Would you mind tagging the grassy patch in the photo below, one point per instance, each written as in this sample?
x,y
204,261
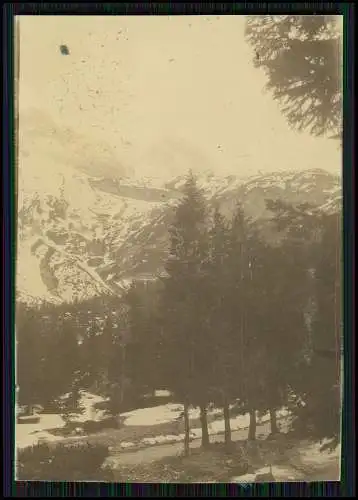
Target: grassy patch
x,y
63,463
87,427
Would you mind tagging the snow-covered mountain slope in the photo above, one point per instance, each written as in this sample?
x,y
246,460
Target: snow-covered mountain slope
x,y
64,237
80,235
144,248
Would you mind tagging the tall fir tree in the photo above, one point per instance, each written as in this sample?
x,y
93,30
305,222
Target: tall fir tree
x,y
183,305
302,59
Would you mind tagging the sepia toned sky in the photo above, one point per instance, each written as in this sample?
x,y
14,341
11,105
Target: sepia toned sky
x,y
154,96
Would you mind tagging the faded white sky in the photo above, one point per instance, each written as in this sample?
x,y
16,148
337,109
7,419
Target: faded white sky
x,y
155,96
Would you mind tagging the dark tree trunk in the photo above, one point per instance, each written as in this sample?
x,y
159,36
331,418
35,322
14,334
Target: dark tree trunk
x,y
227,424
29,410
273,421
122,376
186,430
252,427
204,427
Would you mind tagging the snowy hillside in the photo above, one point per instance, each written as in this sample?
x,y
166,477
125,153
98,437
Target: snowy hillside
x,y
144,248
80,235
64,236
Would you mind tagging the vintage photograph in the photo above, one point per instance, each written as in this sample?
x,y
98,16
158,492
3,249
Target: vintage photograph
x,y
179,262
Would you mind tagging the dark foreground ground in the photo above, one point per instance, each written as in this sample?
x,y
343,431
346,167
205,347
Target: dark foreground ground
x,y
290,460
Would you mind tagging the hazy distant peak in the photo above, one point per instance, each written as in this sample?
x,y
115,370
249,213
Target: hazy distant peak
x,y
47,140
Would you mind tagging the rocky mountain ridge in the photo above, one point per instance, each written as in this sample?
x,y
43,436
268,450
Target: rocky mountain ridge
x,y
87,235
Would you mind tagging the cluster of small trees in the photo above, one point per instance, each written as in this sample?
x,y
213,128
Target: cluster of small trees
x,y
46,355
61,349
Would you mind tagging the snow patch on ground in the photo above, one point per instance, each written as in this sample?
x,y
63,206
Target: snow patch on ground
x,y
31,434
170,412
152,416
161,414
281,474
244,479
127,444
162,394
312,456
89,412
